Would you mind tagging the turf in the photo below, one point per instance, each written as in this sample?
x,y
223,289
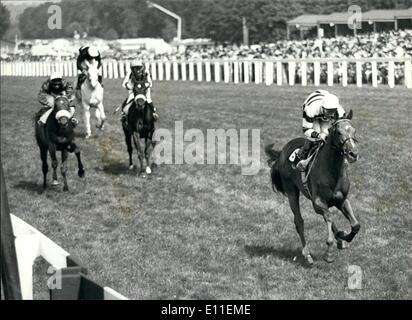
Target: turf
x,y
206,231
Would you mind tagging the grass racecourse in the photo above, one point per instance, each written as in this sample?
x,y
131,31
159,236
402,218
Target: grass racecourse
x,y
206,231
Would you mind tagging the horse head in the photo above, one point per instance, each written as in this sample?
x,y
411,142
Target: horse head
x,y
62,111
139,91
92,73
344,138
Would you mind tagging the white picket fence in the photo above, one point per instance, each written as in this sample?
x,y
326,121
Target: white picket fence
x,y
267,71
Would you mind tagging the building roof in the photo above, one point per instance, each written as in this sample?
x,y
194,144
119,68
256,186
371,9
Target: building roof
x,y
343,17
307,19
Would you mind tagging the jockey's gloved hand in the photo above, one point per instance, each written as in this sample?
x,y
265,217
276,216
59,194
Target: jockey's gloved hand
x,y
322,136
75,121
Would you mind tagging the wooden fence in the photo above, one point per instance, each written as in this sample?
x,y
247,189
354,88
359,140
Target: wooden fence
x,y
367,71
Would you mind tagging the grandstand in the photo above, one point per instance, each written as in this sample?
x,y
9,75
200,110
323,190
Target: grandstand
x,y
336,24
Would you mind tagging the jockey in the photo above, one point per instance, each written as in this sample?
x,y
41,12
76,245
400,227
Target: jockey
x,y
53,87
89,54
137,72
320,109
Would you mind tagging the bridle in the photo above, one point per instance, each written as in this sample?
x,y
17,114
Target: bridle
x,y
341,144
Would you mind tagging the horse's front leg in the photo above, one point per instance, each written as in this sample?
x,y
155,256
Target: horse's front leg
x,y
100,115
45,166
347,211
136,140
322,208
76,151
86,109
147,152
128,138
63,169
53,156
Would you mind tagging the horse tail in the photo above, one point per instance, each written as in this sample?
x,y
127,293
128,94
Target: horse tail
x,y
273,156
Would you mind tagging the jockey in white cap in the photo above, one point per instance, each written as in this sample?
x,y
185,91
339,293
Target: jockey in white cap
x,y
88,55
320,109
137,72
53,87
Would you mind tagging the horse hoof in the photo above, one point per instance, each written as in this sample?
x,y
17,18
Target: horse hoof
x,y
148,170
65,188
88,136
142,174
309,260
131,167
81,173
342,244
329,257
55,183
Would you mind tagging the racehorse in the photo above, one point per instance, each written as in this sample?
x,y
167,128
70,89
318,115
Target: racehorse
x,y
57,135
139,124
327,184
91,95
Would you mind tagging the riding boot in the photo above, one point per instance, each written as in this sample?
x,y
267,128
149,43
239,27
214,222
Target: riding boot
x,y
155,115
302,155
80,79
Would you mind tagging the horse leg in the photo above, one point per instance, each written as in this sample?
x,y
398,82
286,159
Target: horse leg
x,y
128,138
299,223
45,166
347,211
80,166
52,151
322,208
100,115
87,120
136,139
63,169
147,152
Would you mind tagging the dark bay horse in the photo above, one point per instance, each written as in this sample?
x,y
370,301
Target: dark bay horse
x,y
328,182
57,135
140,125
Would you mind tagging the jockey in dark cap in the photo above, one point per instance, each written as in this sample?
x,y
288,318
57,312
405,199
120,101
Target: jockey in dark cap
x,y
88,53
53,87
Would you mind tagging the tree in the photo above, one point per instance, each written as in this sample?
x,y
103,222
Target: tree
x,y
4,20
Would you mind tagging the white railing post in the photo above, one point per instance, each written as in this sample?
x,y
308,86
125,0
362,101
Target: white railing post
x,y
199,68
115,70
279,73
175,71
358,74
160,70
121,69
374,74
408,74
235,72
292,70
217,71
183,69
168,70
208,71
316,66
191,71
330,73
257,72
391,74
246,72
226,71
104,66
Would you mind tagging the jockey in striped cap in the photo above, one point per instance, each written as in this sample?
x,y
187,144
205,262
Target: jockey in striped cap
x,y
137,72
320,109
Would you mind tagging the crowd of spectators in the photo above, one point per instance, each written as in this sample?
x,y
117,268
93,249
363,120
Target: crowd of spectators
x,y
384,44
